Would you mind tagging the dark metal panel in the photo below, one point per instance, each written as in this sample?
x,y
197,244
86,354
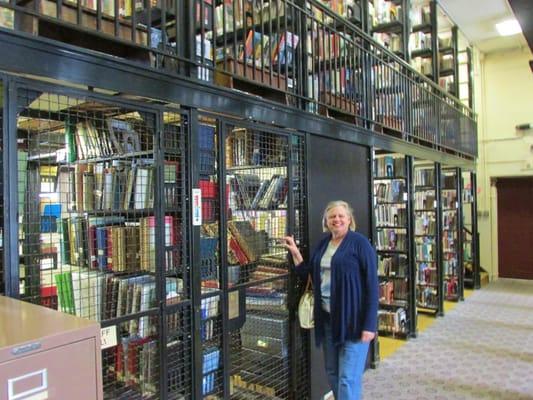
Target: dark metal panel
x,y
68,63
10,180
194,247
336,171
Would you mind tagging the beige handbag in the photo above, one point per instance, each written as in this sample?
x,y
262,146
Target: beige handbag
x,y
306,305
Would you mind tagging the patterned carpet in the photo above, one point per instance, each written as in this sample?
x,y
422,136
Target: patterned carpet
x,y
482,349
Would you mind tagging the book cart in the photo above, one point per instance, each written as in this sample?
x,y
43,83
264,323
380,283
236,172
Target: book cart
x,y
393,241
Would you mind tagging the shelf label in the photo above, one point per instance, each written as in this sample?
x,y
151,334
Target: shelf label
x,y
108,337
197,207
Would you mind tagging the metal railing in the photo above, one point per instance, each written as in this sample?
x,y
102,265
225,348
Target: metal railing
x,y
301,54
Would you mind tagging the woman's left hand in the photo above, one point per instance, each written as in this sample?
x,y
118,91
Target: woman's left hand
x,y
367,336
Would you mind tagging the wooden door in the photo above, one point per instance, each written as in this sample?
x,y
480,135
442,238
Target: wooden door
x,y
515,227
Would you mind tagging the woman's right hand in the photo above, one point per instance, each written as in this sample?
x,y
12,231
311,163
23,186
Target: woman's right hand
x,y
289,243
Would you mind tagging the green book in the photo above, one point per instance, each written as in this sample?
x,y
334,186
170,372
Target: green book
x,y
69,294
60,292
64,244
70,141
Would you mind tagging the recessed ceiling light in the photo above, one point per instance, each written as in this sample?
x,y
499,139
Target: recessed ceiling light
x,y
508,27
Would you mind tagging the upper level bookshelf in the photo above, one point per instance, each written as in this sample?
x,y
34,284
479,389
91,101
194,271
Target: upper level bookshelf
x,y
389,24
434,45
310,56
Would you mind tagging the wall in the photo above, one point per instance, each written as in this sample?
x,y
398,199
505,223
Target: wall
x,y
504,99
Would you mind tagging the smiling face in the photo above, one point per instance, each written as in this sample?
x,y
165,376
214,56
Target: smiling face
x,y
338,221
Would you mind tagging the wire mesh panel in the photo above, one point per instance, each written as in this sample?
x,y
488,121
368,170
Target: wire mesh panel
x,y
300,345
260,352
257,172
87,227
178,280
211,310
179,354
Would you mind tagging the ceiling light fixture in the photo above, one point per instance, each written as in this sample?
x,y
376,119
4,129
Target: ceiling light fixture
x,y
508,27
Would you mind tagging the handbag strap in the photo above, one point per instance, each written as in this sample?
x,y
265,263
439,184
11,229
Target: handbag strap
x,y
309,285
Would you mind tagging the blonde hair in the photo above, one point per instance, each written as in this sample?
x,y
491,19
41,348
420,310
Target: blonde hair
x,y
338,203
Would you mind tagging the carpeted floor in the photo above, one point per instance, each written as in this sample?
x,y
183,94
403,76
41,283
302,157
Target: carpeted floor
x,y
481,349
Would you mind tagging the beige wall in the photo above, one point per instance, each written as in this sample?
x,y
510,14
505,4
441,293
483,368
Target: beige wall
x,y
504,98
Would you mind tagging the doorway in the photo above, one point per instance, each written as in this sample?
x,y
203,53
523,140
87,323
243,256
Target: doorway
x,y
515,227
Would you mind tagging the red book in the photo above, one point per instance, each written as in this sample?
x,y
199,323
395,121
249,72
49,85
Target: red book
x,y
237,251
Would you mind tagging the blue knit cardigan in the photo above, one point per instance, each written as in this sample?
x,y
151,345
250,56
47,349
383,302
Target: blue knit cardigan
x,y
354,288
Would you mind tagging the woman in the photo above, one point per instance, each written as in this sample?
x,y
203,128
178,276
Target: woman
x,y
344,274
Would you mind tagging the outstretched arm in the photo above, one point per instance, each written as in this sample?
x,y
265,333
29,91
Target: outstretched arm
x,y
289,243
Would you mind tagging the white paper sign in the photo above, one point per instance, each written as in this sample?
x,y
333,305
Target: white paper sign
x,y
108,337
197,207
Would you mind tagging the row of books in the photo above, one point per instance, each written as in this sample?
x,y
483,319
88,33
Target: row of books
x,y
84,140
245,244
251,148
427,274
249,192
389,166
393,290
7,18
263,50
389,40
392,321
273,222
389,105
391,215
425,250
419,41
424,176
382,12
393,265
422,65
391,239
449,220
102,296
427,297
425,224
451,288
424,200
135,363
112,244
109,186
449,199
449,266
391,191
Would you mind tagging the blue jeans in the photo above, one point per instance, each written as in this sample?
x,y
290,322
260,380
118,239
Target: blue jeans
x,y
344,365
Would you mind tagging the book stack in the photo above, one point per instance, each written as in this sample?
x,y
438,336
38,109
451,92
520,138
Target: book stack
x,y
392,321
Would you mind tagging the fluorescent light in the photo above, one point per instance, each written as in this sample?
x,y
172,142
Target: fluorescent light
x,y
508,27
